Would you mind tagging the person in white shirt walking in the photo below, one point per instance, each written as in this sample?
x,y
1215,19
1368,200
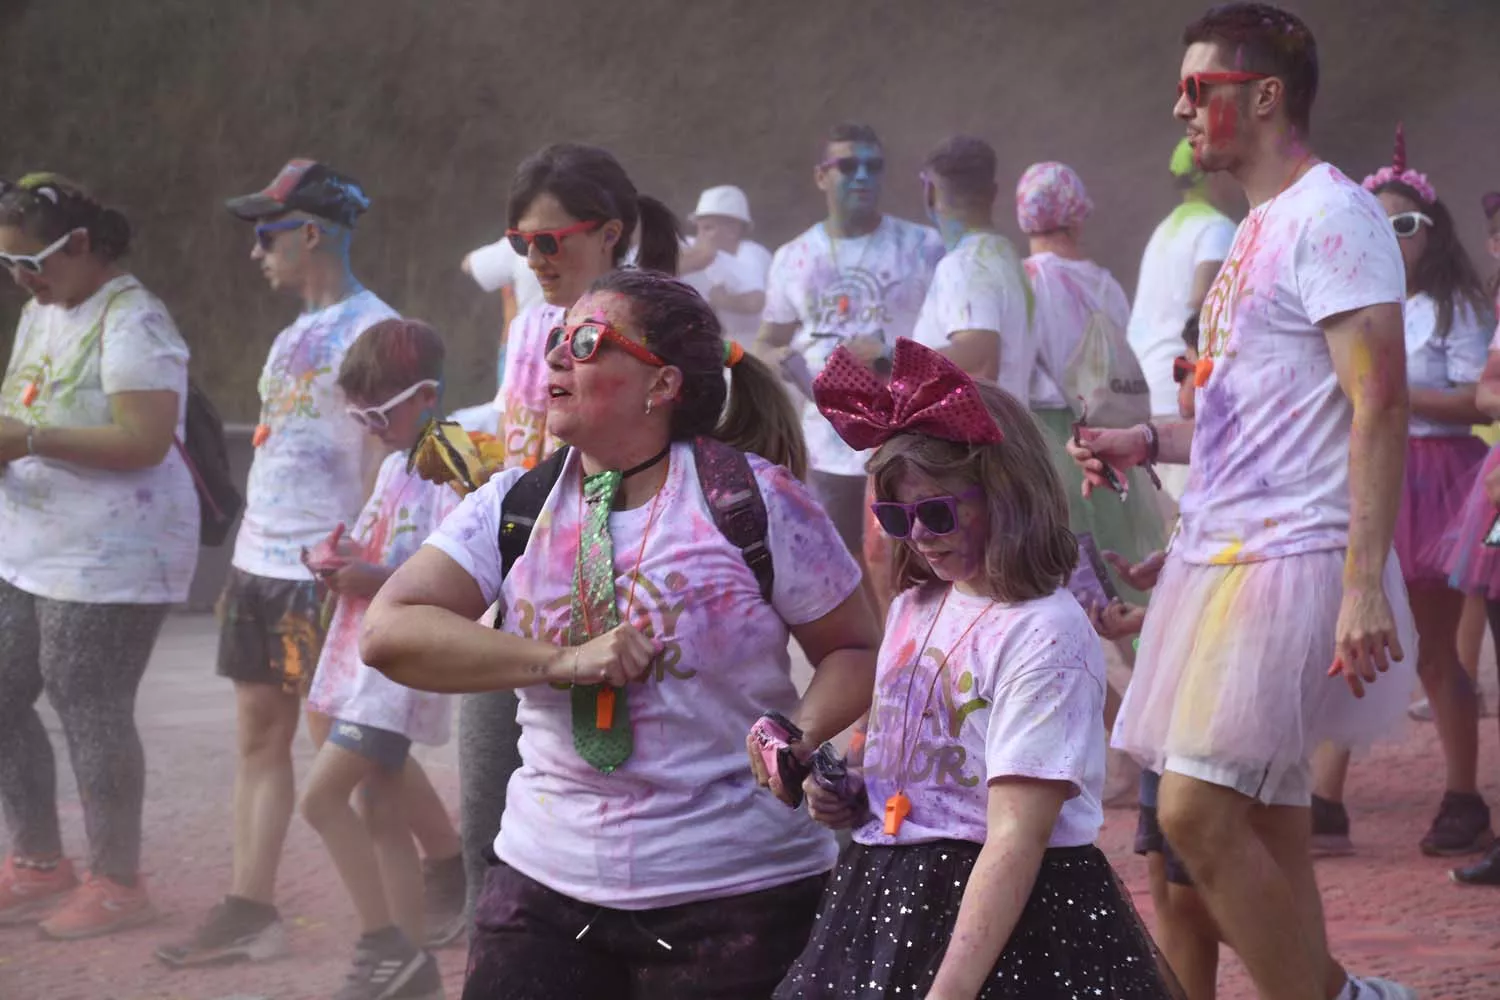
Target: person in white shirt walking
x,y
725,266
1182,259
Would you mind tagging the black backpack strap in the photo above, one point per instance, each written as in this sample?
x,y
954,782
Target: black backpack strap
x,y
521,507
738,509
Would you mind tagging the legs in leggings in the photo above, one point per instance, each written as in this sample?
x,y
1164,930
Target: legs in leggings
x,y
89,658
487,755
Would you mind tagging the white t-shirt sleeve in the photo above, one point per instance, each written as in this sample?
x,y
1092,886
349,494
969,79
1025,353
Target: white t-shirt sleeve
x,y
756,258
779,306
1048,709
142,351
1213,242
470,536
814,571
1348,259
493,267
981,302
1467,347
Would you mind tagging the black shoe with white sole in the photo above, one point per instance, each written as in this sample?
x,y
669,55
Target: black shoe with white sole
x,y
387,966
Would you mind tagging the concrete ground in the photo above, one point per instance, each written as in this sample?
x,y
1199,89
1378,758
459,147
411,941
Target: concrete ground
x,y
1391,911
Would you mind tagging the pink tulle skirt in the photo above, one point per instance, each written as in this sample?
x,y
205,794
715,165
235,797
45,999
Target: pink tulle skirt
x,y
1233,666
1439,474
1472,566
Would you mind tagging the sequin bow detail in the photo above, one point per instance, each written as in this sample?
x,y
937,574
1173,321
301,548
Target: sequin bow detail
x,y
927,394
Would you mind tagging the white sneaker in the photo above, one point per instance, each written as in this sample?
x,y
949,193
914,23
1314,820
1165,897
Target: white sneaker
x,y
1372,988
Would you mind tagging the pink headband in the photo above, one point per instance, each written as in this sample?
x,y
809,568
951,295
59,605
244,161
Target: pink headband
x,y
927,394
1397,173
1051,196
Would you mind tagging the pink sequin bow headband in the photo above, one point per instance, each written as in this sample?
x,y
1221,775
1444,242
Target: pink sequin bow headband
x,y
927,394
1399,174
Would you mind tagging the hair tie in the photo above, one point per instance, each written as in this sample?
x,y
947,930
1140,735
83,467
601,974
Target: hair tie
x,y
733,353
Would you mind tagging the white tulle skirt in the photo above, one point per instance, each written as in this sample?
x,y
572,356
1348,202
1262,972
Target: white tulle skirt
x,y
1233,667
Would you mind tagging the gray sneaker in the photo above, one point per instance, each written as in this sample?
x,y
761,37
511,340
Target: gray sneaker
x,y
1372,988
389,967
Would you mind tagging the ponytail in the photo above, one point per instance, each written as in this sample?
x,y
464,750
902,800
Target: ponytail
x,y
661,237
760,417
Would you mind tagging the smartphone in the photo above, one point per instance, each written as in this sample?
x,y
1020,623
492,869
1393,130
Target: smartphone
x,y
1090,582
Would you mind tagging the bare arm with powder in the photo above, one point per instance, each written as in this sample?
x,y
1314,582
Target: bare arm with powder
x,y
841,646
976,352
773,338
1125,449
138,436
422,630
1369,356
1458,405
1021,815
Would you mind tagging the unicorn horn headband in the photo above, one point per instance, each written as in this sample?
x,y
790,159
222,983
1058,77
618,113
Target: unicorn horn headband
x,y
1398,173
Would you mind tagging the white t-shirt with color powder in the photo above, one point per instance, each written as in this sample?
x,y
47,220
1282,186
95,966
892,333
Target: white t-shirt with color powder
x,y
306,475
1270,469
1434,362
1021,695
1067,293
980,285
739,273
682,820
498,266
401,512
96,536
1195,233
870,286
522,397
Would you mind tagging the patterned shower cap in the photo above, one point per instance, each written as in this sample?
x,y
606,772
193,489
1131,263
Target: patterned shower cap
x,y
1049,197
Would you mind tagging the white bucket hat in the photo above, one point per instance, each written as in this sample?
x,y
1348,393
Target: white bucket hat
x,y
727,201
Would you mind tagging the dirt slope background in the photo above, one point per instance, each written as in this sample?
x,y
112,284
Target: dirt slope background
x,y
167,106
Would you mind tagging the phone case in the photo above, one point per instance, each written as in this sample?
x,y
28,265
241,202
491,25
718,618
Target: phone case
x,y
1090,582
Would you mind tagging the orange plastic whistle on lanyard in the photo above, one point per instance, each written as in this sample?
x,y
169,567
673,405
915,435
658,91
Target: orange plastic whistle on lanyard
x,y
1201,371
604,708
897,807
262,431
29,394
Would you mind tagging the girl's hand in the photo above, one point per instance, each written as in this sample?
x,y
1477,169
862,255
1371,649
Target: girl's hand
x,y
1117,620
1139,576
833,811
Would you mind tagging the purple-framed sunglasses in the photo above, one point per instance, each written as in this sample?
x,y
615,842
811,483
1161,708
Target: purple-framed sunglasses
x,y
938,515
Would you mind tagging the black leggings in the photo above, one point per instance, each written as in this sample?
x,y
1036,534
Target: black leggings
x,y
89,658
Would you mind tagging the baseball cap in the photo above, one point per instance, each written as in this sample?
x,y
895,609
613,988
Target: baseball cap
x,y
727,201
305,186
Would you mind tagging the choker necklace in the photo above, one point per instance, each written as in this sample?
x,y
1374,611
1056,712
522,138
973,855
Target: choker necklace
x,y
648,463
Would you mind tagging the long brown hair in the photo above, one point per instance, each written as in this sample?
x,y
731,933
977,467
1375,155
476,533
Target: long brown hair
x,y
1445,273
1030,552
684,331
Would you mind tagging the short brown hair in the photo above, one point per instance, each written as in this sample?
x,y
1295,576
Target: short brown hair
x,y
1265,39
1030,552
390,356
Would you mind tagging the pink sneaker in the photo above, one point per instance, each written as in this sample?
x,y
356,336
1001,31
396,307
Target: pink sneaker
x,y
28,894
100,906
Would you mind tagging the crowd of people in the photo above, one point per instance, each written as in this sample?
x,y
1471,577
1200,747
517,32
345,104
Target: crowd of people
x,y
950,473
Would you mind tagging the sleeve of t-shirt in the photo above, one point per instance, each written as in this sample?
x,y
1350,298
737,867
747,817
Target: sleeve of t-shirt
x,y
142,351
814,571
493,266
1467,346
1214,242
470,536
779,306
757,258
1048,708
1348,259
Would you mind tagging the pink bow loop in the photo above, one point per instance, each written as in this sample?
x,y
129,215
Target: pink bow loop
x,y
927,394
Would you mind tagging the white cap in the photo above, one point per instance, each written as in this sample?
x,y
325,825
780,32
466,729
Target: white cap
x,y
727,201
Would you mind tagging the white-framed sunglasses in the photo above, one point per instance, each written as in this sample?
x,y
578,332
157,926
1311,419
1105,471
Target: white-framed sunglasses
x,y
1406,224
32,263
375,418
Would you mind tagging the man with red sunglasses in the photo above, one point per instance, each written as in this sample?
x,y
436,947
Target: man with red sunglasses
x,y
1280,619
858,278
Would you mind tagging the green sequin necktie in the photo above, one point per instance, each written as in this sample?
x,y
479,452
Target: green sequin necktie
x,y
601,717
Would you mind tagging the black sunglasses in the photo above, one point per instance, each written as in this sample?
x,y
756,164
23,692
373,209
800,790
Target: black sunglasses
x,y
849,165
938,515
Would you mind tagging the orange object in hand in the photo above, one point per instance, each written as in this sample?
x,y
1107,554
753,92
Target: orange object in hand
x,y
29,394
604,708
1201,371
262,431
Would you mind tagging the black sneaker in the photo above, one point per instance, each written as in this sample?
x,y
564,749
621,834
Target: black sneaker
x,y
1485,871
445,885
1462,826
387,966
236,930
1330,829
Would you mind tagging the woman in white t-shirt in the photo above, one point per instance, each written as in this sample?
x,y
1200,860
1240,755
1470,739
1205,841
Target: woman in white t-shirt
x,y
975,799
100,538
636,856
1068,288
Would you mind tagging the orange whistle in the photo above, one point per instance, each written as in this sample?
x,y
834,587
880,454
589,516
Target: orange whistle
x,y
262,431
29,394
604,708
896,809
1201,371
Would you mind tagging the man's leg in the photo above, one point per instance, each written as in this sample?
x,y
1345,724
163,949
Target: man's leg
x,y
1287,836
264,786
1255,903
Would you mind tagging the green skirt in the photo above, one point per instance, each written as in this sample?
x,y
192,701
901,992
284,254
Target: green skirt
x,y
1132,527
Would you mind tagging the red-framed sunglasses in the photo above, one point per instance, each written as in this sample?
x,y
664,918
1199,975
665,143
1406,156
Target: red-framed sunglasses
x,y
547,241
583,340
1182,369
1193,85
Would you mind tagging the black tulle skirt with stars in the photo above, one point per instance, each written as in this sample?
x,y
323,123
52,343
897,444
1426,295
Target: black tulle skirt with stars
x,y
889,912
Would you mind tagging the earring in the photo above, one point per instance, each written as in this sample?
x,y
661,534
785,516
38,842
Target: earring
x,y
648,405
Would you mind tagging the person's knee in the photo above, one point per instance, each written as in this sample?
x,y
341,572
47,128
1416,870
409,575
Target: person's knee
x,y
320,804
1198,819
267,722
